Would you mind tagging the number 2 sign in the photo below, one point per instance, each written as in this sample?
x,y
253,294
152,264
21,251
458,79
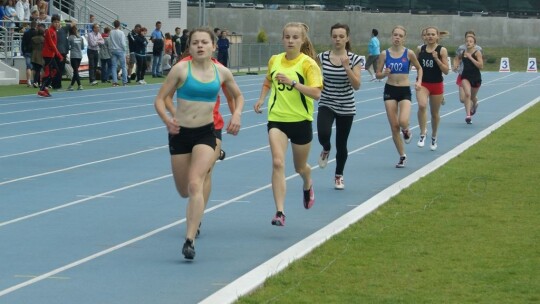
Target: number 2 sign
x,y
531,65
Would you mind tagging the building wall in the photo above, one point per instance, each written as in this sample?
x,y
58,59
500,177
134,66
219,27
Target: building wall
x,y
147,13
491,31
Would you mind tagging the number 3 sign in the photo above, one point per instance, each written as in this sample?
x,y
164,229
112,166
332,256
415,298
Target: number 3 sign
x,y
505,65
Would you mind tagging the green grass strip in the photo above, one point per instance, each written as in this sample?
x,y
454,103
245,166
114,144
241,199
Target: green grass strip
x,y
467,233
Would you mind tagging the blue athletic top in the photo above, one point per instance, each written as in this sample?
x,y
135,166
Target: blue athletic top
x,y
195,90
398,65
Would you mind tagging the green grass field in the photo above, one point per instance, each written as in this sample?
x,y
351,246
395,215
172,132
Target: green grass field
x,y
466,233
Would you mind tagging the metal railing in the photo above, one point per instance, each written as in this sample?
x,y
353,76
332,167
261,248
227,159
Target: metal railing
x,y
251,57
81,10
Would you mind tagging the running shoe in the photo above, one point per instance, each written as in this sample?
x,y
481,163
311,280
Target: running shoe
x,y
323,159
473,109
402,161
421,141
338,182
70,88
222,155
468,119
433,146
407,136
93,83
80,88
309,197
279,219
188,250
44,93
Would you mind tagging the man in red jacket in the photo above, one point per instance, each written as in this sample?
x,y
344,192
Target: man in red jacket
x,y
50,56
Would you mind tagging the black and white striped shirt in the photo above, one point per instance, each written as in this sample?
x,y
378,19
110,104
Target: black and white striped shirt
x,y
337,93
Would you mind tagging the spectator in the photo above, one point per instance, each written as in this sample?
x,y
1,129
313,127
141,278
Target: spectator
x,y
94,41
63,47
51,56
26,48
140,54
131,40
44,18
76,45
42,6
157,50
223,48
10,14
105,56
374,50
177,44
183,41
37,56
118,53
34,14
169,50
90,25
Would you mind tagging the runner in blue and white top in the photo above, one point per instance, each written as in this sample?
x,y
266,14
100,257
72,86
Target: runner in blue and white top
x,y
341,77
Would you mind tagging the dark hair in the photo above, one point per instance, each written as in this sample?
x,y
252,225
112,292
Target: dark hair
x,y
116,24
186,31
203,30
375,32
159,22
347,30
107,30
177,28
54,18
74,31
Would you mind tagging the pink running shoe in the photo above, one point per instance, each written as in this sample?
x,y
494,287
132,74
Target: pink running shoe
x,y
279,219
309,197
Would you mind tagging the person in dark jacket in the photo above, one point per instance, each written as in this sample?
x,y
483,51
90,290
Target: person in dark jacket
x,y
26,48
63,47
223,48
139,45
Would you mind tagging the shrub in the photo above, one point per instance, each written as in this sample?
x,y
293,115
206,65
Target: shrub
x,y
261,36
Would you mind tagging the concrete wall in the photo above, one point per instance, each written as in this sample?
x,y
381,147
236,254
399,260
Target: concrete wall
x,y
146,13
491,31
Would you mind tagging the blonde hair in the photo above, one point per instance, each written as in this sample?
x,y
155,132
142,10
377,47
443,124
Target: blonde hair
x,y
440,34
401,27
307,47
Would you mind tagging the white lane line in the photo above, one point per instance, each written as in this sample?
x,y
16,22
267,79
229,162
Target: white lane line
x,y
75,114
79,166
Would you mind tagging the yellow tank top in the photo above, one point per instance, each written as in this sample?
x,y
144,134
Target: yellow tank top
x,y
285,103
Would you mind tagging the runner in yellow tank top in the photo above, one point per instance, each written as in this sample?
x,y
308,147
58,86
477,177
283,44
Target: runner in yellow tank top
x,y
295,80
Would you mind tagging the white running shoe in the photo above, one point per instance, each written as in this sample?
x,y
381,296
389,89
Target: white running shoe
x,y
421,141
402,161
323,159
338,182
433,146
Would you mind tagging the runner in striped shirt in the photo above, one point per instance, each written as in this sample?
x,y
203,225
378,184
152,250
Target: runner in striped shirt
x,y
341,77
